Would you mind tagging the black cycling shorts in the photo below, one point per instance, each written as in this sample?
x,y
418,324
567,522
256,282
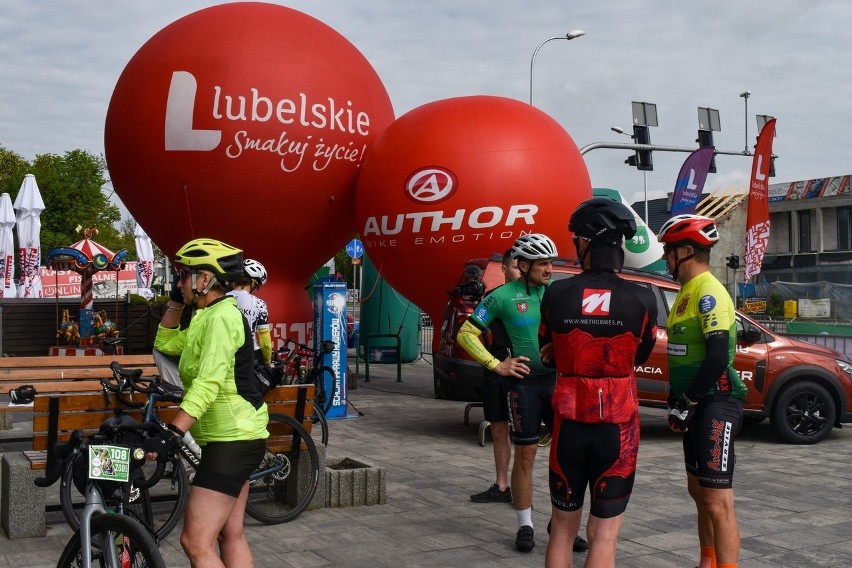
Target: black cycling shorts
x,y
529,404
226,466
599,456
495,402
708,444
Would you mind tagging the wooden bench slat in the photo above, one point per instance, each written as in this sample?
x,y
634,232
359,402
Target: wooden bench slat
x,y
91,361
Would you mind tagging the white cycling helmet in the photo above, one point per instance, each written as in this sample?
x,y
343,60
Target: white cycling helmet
x,y
255,271
534,246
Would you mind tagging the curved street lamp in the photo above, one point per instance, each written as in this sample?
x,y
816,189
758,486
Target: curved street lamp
x,y
569,36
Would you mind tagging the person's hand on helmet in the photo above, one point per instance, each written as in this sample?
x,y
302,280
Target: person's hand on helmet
x,y
176,295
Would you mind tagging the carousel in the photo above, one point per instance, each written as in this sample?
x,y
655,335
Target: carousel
x,y
85,257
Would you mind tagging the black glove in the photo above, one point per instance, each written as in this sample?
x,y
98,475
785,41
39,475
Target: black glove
x,y
671,401
163,443
681,413
176,295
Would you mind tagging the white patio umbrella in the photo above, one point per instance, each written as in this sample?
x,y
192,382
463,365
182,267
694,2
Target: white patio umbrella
x,y
145,262
28,206
8,289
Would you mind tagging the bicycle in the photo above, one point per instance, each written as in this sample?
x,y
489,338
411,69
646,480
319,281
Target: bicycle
x,y
276,495
290,368
109,534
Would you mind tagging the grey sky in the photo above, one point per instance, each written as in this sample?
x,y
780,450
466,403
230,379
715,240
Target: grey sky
x,y
59,62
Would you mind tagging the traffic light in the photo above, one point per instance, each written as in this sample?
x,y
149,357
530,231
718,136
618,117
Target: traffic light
x,y
733,261
642,160
705,138
772,167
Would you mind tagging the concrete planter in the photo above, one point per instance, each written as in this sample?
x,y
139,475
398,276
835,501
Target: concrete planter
x,y
350,483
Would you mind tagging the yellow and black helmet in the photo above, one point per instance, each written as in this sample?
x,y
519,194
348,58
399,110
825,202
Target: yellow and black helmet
x,y
223,260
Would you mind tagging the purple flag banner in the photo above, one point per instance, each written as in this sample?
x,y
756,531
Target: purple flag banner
x,y
690,180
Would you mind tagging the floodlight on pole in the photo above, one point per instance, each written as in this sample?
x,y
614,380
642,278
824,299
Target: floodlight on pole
x,y
573,34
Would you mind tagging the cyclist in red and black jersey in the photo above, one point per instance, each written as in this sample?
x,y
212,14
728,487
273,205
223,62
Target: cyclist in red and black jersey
x,y
595,327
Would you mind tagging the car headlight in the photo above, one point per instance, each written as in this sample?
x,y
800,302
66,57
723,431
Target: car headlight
x,y
845,366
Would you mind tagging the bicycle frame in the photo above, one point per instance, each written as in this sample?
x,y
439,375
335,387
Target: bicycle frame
x,y
95,504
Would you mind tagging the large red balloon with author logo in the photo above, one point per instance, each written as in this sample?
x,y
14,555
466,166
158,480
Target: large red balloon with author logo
x,y
463,178
247,122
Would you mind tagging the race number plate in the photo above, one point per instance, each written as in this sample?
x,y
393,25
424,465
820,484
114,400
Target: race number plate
x,y
109,462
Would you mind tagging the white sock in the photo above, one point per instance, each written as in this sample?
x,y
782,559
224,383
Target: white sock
x,y
524,517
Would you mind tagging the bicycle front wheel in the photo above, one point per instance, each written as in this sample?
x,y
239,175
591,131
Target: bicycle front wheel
x,y
285,482
117,542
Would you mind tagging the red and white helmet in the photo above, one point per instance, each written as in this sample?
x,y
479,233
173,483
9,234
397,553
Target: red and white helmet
x,y
694,229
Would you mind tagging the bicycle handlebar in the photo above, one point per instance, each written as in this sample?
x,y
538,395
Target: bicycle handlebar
x,y
62,450
132,377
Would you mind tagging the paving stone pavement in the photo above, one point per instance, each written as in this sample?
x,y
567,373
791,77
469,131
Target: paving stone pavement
x,y
794,503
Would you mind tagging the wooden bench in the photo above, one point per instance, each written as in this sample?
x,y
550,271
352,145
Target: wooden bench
x,y
55,416
66,374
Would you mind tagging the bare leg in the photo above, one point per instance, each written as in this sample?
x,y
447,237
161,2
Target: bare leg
x,y
705,527
233,545
206,514
502,452
719,507
603,536
563,529
522,475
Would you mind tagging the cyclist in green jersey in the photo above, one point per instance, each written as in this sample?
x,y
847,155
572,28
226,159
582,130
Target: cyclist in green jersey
x,y
513,309
221,405
705,398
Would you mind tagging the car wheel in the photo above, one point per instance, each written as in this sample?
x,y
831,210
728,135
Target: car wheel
x,y
804,413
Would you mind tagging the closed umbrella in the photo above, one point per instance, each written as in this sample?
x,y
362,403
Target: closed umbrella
x,y
8,289
145,263
28,207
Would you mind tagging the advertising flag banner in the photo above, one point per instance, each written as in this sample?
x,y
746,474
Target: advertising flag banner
x,y
145,265
8,289
691,179
757,221
28,207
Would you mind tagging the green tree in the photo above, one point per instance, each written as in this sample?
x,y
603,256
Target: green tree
x,y
12,170
72,189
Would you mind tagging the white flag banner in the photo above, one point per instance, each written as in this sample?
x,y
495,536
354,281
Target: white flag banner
x,y
8,288
145,265
28,208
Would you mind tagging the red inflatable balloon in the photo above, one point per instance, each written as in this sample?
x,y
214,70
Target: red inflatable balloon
x,y
463,178
247,122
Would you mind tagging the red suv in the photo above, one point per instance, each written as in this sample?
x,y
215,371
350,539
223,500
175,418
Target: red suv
x,y
804,389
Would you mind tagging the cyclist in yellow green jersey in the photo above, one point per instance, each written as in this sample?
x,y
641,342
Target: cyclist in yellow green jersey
x,y
706,393
222,404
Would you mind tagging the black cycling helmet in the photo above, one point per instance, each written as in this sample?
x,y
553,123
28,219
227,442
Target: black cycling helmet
x,y
223,260
602,219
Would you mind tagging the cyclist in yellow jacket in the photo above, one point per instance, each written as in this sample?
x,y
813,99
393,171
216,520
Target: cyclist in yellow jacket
x,y
222,406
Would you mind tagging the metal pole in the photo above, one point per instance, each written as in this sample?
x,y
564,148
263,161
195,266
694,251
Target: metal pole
x,y
645,176
735,288
532,63
573,34
745,95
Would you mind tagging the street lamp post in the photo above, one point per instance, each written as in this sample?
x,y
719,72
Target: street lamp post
x,y
745,95
618,130
569,36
